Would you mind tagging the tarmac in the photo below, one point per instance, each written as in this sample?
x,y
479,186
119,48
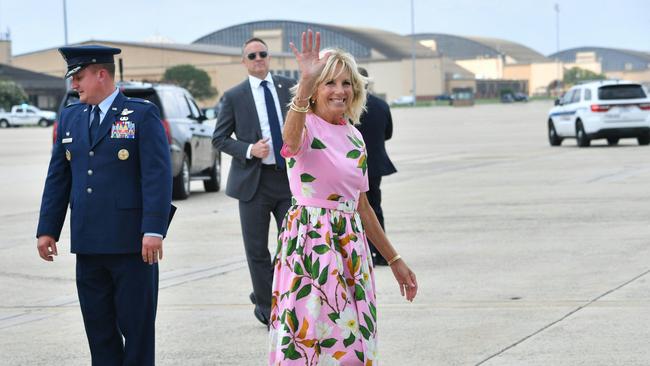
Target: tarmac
x,y
525,254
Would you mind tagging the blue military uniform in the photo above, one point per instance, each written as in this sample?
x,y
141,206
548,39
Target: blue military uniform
x,y
118,186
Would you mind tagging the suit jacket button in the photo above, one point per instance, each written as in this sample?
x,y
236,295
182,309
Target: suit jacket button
x,y
90,172
91,153
89,190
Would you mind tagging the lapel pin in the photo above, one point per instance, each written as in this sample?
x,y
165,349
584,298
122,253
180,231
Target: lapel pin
x,y
67,133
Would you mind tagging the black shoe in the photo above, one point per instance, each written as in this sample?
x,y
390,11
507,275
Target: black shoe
x,y
378,260
261,317
253,298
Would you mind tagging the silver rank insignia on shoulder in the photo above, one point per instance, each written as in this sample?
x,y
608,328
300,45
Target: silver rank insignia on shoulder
x,y
126,111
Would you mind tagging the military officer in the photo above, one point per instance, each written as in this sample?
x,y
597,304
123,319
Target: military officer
x,y
111,164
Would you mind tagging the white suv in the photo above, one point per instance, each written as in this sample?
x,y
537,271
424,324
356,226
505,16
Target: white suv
x,y
606,109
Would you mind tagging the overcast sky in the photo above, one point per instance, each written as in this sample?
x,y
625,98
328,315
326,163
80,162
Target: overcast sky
x,y
38,24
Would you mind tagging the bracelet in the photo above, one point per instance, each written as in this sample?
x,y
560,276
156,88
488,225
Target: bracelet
x,y
394,259
297,100
297,108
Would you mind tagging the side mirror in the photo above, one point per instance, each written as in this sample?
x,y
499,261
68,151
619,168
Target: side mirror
x,y
200,118
557,101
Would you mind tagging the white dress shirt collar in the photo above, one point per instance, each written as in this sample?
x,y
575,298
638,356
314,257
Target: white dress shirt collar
x,y
255,81
104,105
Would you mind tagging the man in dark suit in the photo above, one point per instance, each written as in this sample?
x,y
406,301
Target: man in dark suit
x,y
111,163
255,110
376,126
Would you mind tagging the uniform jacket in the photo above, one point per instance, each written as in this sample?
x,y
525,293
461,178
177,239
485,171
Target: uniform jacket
x,y
238,115
376,126
118,188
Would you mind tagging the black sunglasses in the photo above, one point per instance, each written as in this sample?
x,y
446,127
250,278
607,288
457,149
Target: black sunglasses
x,y
251,56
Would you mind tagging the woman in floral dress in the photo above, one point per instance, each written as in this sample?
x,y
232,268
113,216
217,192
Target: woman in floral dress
x,y
323,306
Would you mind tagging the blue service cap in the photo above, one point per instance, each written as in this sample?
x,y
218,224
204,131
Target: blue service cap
x,y
78,57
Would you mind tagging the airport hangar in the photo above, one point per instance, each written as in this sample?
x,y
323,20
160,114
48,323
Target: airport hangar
x,y
443,62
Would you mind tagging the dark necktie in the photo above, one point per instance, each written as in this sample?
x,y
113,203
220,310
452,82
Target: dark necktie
x,y
274,124
94,124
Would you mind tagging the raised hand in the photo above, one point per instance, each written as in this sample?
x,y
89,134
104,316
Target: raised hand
x,y
308,58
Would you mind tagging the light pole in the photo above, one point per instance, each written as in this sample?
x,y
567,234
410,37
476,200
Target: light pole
x,y
413,50
557,48
65,23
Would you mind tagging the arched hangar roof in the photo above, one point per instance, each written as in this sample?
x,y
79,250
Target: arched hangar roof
x,y
362,43
467,47
611,59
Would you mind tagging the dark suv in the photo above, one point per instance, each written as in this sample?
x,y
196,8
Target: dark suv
x,y
188,131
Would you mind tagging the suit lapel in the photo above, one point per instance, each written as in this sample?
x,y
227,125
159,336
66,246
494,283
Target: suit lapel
x,y
82,125
109,118
250,101
283,95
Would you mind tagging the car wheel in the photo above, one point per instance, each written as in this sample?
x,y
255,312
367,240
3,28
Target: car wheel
x,y
553,138
181,182
581,136
214,183
643,140
612,141
4,123
43,122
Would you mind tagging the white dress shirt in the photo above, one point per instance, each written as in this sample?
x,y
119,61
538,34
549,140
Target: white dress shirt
x,y
104,105
260,107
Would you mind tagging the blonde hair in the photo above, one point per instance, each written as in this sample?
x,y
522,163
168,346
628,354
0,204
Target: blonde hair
x,y
338,57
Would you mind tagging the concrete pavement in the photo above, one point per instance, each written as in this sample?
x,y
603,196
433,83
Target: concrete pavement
x,y
525,254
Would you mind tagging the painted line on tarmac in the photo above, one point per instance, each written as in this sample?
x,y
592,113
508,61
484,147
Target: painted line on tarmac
x,y
167,279
562,318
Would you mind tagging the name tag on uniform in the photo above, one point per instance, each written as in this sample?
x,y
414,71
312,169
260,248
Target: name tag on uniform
x,y
123,130
66,140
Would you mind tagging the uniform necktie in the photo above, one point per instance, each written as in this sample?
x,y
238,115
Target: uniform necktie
x,y
94,124
274,124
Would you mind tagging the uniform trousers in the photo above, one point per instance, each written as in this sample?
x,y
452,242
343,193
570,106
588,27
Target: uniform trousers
x,y
118,294
272,197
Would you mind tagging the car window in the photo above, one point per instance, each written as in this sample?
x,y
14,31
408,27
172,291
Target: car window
x,y
175,104
20,110
194,110
629,91
587,94
183,107
575,98
146,94
568,96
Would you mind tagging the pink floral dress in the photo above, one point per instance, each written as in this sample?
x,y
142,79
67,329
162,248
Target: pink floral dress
x,y
323,308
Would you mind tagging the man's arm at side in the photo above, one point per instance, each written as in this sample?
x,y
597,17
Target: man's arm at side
x,y
56,193
389,124
221,138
